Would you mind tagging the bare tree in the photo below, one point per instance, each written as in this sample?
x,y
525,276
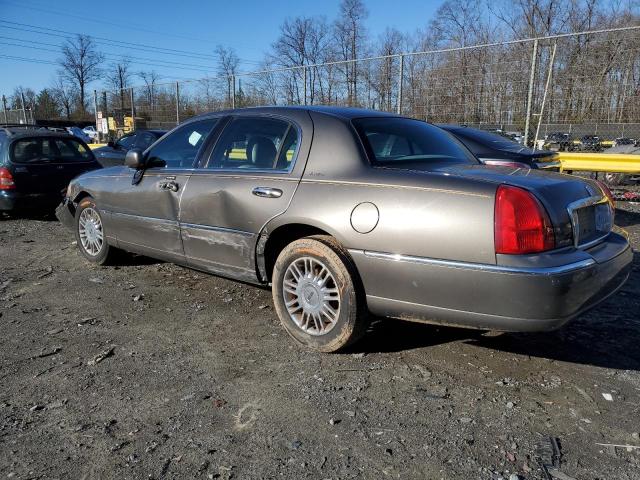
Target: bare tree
x,y
80,65
150,80
65,95
351,35
119,74
228,63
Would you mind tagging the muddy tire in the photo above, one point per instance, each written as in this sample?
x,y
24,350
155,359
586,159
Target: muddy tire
x,y
318,294
90,234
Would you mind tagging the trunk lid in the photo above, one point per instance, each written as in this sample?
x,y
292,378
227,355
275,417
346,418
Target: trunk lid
x,y
573,204
577,207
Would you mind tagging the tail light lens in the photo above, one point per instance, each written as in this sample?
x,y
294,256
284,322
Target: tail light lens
x,y
6,179
521,223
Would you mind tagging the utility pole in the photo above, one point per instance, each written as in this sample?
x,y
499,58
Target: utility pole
x,y
133,109
95,109
400,76
24,111
177,103
530,94
4,108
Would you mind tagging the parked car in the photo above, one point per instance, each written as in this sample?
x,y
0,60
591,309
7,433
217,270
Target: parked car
x,y
623,141
114,152
36,165
559,141
590,143
346,212
91,132
78,132
494,149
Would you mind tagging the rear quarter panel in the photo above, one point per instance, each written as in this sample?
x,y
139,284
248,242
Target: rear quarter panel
x,y
420,213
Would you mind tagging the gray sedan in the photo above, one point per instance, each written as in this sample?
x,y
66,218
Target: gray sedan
x,y
349,213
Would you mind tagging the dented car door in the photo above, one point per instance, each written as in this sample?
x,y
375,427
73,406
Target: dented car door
x,y
249,178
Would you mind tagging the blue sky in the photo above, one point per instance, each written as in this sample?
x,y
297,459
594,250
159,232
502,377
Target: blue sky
x,y
193,27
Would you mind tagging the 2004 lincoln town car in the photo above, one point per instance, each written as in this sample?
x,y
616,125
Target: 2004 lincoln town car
x,y
349,212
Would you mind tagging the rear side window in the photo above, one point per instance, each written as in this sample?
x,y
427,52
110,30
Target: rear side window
x,y
258,143
390,141
49,150
179,148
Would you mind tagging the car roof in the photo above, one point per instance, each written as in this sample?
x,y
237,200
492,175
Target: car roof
x,y
17,132
345,113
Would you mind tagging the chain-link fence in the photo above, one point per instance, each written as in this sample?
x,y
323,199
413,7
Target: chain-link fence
x,y
584,83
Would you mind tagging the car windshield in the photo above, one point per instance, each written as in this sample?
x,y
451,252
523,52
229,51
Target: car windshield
x,y
399,140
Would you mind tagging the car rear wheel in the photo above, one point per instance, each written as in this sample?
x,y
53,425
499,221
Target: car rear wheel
x,y
317,294
90,235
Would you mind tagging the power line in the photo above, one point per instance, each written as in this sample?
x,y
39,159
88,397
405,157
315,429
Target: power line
x,y
86,18
112,56
108,41
24,59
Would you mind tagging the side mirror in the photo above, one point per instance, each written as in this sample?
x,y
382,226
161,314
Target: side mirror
x,y
111,144
135,159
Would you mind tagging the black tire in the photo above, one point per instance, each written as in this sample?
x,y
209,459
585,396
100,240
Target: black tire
x,y
614,179
352,319
105,254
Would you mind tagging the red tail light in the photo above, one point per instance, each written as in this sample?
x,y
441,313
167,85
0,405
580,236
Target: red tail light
x,y
6,179
521,223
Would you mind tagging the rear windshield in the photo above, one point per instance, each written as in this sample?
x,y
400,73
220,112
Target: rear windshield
x,y
488,138
49,150
391,141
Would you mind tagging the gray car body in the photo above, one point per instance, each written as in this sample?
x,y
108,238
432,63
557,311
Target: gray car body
x,y
424,249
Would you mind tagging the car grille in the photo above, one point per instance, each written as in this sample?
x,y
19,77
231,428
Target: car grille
x,y
591,223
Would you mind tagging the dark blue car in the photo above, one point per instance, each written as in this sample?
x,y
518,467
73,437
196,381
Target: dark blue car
x,y
114,152
37,164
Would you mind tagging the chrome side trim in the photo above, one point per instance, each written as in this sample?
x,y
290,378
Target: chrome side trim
x,y
569,267
142,217
216,229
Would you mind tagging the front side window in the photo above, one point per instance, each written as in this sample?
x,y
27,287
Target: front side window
x,y
396,141
179,148
255,144
49,150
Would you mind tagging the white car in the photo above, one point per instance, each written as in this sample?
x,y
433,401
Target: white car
x,y
91,132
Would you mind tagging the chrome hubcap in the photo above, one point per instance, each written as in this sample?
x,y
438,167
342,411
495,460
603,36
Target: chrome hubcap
x,y
90,229
311,296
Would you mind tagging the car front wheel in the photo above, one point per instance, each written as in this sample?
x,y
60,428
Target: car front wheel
x,y
317,294
90,235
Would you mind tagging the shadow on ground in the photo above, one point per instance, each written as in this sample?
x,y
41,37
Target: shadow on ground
x,y
625,218
607,336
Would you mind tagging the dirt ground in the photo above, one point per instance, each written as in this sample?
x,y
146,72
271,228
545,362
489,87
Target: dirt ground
x,y
149,370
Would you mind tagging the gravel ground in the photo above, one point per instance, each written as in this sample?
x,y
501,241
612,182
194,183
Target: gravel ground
x,y
152,370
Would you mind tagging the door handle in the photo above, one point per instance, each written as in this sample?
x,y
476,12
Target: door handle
x,y
267,192
173,186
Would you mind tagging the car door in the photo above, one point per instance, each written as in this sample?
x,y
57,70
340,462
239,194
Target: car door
x,y
110,156
249,178
72,157
37,169
144,213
